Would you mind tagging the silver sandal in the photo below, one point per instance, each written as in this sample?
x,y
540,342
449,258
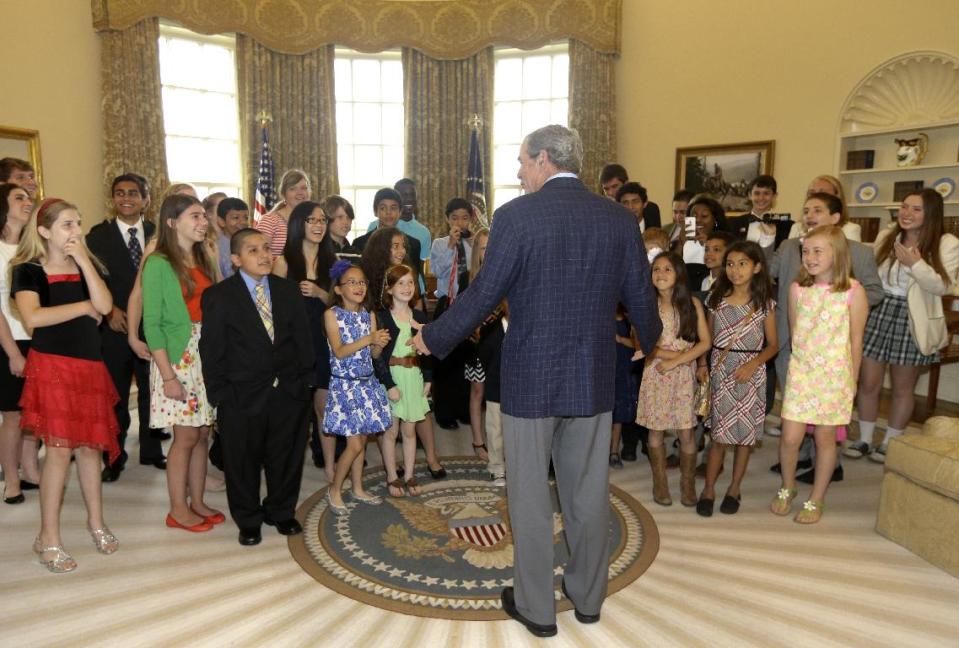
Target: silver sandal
x,y
61,563
104,540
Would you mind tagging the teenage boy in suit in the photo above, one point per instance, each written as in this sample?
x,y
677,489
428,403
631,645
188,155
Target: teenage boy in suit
x,y
257,356
119,243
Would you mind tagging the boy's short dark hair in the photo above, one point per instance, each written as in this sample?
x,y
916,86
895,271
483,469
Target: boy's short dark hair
x,y
386,193
632,188
721,235
611,171
237,240
458,203
230,204
136,179
764,182
683,195
403,181
9,164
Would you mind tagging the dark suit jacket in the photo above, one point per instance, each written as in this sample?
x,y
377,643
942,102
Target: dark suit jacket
x,y
412,247
563,257
105,241
239,361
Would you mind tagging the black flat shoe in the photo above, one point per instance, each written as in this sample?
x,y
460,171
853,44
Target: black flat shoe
x,y
730,505
800,465
28,485
16,499
448,425
160,463
437,474
509,606
582,618
704,507
286,527
160,435
810,476
250,537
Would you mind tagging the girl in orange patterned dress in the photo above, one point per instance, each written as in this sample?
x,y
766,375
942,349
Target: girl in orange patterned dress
x,y
827,317
669,384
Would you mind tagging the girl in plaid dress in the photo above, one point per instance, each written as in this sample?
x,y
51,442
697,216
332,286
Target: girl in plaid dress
x,y
917,263
827,315
744,338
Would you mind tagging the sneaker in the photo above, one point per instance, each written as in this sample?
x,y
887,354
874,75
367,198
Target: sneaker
x,y
498,480
615,461
879,454
856,450
774,431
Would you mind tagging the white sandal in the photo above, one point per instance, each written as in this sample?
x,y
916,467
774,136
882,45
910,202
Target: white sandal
x,y
104,540
61,563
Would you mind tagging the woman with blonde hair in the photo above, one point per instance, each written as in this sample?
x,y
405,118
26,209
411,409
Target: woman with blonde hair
x,y
294,188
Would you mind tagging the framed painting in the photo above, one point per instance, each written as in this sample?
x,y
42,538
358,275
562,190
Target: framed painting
x,y
22,143
724,171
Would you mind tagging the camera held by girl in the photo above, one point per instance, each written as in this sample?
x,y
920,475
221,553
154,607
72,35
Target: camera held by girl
x,y
356,406
667,391
68,395
827,319
741,317
405,375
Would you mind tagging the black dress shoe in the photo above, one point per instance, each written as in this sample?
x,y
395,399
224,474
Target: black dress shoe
x,y
810,476
28,485
704,507
111,473
509,606
582,618
437,474
730,505
161,435
249,537
156,463
286,527
802,464
447,424
16,499
628,454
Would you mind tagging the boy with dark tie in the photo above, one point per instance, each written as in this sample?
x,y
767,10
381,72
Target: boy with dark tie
x,y
257,356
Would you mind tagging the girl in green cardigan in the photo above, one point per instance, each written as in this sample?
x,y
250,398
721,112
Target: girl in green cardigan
x,y
174,278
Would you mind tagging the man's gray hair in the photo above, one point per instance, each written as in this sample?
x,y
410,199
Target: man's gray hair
x,y
562,145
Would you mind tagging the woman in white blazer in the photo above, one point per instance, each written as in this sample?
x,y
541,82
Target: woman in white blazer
x,y
917,264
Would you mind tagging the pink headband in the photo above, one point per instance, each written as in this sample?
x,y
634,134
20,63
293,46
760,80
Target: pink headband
x,y
45,206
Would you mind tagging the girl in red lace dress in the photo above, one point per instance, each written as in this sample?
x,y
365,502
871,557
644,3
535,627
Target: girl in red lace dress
x,y
68,396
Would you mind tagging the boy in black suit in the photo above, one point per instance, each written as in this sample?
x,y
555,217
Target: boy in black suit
x,y
257,357
119,244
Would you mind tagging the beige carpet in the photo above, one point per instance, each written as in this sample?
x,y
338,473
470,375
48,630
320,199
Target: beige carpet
x,y
746,580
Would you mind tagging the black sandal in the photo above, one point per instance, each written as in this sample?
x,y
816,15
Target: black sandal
x,y
730,504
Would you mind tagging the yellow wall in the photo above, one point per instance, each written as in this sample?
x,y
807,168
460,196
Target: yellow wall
x,y
51,83
701,72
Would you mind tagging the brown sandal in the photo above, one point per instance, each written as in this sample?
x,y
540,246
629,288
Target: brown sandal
x,y
396,483
413,487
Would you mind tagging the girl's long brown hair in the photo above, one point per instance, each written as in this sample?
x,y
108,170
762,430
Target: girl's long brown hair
x,y
169,247
930,233
760,286
393,275
681,300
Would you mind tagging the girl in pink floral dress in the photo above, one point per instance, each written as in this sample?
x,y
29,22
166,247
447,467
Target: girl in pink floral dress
x,y
827,317
669,382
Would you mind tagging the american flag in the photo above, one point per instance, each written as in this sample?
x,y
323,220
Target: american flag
x,y
265,196
475,186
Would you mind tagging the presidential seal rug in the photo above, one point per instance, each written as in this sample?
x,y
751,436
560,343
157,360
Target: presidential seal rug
x,y
447,553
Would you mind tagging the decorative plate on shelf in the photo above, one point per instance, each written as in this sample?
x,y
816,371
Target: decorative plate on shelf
x,y
867,192
945,186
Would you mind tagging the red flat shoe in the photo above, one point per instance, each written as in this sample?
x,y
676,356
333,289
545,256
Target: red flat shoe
x,y
199,527
216,518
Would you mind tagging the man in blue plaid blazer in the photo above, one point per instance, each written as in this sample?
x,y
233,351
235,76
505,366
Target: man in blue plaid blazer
x,y
563,257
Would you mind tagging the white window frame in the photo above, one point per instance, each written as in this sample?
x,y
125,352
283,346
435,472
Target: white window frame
x,y
503,145
363,209
206,186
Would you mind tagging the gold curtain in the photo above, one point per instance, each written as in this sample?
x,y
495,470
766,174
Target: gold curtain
x,y
592,108
450,29
133,132
440,98
297,91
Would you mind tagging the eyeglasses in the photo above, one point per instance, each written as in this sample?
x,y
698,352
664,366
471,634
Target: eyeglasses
x,y
353,283
315,221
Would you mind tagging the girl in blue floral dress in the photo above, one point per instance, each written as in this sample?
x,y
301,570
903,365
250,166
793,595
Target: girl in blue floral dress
x,y
356,405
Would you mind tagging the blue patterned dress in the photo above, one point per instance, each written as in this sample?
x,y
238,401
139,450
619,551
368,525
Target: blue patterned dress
x,y
356,403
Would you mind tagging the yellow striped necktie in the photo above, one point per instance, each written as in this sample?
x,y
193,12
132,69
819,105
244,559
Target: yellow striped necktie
x,y
263,308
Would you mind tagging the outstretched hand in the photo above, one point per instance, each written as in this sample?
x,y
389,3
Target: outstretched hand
x,y
417,340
